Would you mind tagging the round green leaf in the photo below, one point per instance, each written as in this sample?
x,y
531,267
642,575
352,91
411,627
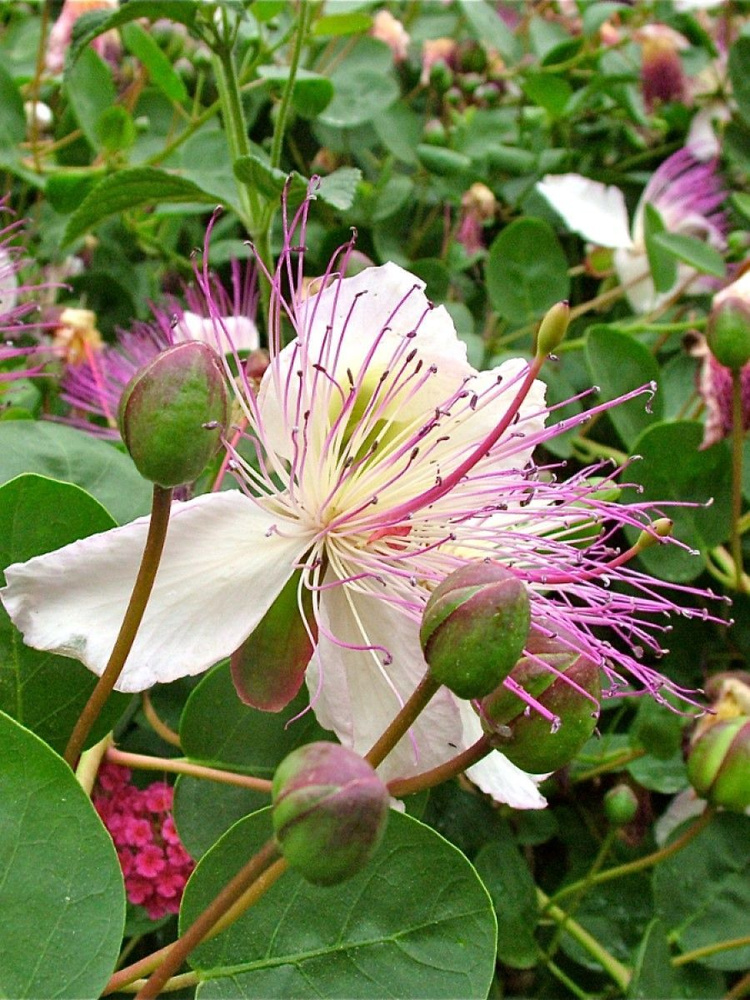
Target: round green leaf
x,y
44,691
417,922
619,363
703,893
673,468
72,456
61,891
358,97
526,271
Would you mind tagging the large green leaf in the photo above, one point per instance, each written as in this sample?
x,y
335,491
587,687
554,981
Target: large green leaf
x,y
673,468
618,364
74,457
510,884
661,261
160,69
91,92
526,271
44,691
488,27
655,978
61,891
417,922
692,251
132,188
703,893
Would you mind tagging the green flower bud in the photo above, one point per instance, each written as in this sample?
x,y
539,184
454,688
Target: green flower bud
x,y
728,333
620,805
474,628
441,76
553,328
173,413
718,764
435,133
330,811
525,736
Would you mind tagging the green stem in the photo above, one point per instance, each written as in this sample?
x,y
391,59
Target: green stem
x,y
558,973
616,970
171,765
304,17
641,864
203,924
401,787
711,949
403,722
593,449
615,763
740,989
181,982
157,532
737,449
236,130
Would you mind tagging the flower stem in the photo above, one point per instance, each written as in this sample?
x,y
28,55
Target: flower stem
x,y
616,970
157,531
306,9
641,864
205,922
737,447
401,787
158,725
711,949
143,762
740,989
422,694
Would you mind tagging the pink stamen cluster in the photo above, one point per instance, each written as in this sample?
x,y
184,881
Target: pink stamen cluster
x,y
689,196
15,304
154,863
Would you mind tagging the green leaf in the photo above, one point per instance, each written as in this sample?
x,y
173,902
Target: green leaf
x,y
115,129
72,456
311,93
673,468
425,925
144,48
694,252
654,977
204,810
662,263
336,25
97,22
488,27
248,740
337,189
359,96
702,893
61,891
741,202
619,363
739,74
90,91
507,878
550,92
44,691
12,115
441,161
526,271
128,189
399,128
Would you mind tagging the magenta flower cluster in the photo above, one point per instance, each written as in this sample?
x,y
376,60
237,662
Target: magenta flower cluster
x,y
154,863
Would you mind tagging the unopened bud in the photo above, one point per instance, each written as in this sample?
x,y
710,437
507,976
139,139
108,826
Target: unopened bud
x,y
728,333
329,811
718,764
174,412
620,805
553,328
474,628
661,528
566,684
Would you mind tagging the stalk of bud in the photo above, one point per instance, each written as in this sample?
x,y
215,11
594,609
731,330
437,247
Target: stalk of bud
x,y
474,628
565,684
330,810
174,412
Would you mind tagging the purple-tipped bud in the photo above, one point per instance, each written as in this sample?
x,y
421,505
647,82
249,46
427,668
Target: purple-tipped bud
x,y
553,328
728,334
565,686
718,764
620,805
330,811
474,628
174,412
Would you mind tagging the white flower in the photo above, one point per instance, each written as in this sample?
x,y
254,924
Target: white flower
x,y
685,192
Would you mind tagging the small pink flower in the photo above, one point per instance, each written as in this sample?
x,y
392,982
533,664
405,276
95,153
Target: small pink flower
x,y
386,28
150,862
158,797
58,43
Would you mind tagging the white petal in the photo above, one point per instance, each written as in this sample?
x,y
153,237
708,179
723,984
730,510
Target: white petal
x,y
226,333
635,274
595,211
356,696
498,777
8,282
219,574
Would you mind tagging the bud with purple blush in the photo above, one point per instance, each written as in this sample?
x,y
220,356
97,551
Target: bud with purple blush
x,y
474,628
330,810
174,412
